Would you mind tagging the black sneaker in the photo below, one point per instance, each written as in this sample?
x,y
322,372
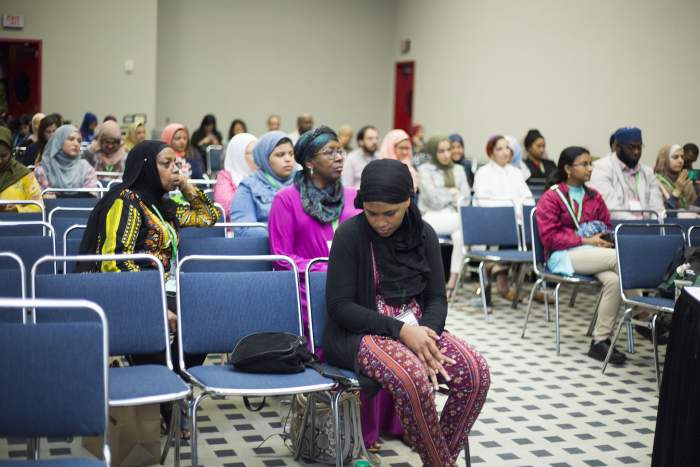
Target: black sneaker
x,y
599,350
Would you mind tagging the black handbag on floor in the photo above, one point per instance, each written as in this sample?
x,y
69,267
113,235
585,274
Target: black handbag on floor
x,y
271,352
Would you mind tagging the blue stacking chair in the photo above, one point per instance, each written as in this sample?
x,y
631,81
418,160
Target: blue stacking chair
x,y
62,218
644,253
214,153
217,309
491,226
71,193
11,216
316,309
694,236
134,329
30,241
71,243
12,283
236,246
648,215
687,219
52,203
544,276
54,379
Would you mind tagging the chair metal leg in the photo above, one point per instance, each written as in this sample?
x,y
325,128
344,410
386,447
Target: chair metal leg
x,y
482,283
655,343
174,421
589,333
193,436
520,277
625,318
335,410
467,456
630,337
574,293
556,315
546,302
33,445
529,305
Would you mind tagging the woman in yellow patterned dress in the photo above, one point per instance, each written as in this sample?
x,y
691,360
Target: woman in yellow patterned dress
x,y
16,181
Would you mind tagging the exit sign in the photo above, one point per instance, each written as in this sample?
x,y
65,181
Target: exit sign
x,y
13,21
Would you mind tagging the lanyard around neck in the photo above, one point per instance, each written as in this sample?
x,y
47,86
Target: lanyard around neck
x,y
274,183
172,233
635,188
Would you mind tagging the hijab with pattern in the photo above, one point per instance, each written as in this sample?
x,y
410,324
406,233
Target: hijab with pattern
x,y
401,258
324,205
667,179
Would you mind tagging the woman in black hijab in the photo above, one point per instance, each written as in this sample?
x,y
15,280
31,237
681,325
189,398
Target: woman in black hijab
x,y
135,217
387,307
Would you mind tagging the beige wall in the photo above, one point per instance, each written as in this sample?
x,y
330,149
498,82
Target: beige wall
x,y
250,58
85,45
574,69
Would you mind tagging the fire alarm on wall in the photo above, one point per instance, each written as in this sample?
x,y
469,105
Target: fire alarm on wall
x,y
405,46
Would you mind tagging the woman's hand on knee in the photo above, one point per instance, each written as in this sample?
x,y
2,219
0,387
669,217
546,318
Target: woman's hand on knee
x,y
423,342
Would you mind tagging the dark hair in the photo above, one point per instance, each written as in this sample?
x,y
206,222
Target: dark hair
x,y
209,119
361,132
50,119
567,157
282,141
691,147
233,124
532,136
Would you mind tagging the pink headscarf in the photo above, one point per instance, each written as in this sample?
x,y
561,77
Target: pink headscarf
x,y
388,148
388,151
168,134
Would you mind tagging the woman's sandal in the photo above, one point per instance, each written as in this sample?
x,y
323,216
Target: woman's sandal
x,y
375,448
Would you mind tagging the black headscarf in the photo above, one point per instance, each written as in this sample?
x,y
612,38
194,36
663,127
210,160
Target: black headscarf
x,y
141,176
401,258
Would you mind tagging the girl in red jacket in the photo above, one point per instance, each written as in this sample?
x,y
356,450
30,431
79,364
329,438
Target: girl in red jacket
x,y
573,222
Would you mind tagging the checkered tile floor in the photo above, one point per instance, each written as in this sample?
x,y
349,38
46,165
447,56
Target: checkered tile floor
x,y
541,410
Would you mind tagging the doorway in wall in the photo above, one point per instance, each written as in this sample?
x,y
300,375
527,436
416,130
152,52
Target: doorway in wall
x,y
20,77
403,95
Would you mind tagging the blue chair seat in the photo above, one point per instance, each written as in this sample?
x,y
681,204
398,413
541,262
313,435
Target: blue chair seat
x,y
55,463
145,381
227,380
340,371
575,278
508,256
656,302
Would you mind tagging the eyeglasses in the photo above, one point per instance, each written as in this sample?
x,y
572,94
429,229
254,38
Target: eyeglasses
x,y
583,164
110,141
332,153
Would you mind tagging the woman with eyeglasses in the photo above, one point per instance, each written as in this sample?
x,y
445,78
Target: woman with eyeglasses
x,y
106,152
305,215
303,220
274,155
574,226
137,217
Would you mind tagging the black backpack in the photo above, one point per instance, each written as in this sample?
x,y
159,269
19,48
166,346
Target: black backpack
x,y
271,352
689,255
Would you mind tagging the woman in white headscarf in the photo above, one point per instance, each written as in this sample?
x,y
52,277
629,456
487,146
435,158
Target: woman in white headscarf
x,y
61,165
238,164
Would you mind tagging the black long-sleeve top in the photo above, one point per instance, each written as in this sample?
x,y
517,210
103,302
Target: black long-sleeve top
x,y
351,295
